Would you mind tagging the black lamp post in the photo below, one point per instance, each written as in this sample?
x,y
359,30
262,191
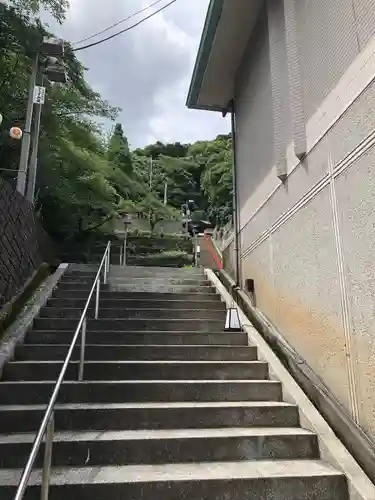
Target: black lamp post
x,y
126,220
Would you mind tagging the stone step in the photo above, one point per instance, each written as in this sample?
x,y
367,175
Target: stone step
x,y
148,272
73,278
95,259
139,370
124,313
106,294
152,324
136,251
81,268
169,280
50,352
138,287
150,260
160,287
141,337
245,480
134,416
135,304
140,391
78,286
156,269
159,280
158,447
77,276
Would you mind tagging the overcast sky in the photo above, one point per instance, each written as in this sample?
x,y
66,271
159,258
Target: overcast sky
x,y
147,70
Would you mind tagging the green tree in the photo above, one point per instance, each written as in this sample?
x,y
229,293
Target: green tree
x,y
118,151
56,7
201,171
74,192
152,208
215,159
74,195
154,151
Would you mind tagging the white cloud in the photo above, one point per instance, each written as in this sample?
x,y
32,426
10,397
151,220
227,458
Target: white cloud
x,y
172,117
147,70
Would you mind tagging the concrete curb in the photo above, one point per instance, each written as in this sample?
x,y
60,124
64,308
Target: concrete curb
x,y
16,333
331,448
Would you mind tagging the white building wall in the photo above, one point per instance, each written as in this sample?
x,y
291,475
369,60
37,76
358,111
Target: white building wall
x,y
254,113
309,243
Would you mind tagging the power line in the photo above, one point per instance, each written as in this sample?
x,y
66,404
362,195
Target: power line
x,y
118,23
124,30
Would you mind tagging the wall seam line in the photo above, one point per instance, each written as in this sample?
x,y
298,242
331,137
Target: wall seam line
x,y
344,293
362,148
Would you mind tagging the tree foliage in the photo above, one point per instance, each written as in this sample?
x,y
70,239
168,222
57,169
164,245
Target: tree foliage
x,y
56,7
118,151
216,180
201,172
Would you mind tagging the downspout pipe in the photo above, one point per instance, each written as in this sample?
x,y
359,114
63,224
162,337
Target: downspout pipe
x,y
232,109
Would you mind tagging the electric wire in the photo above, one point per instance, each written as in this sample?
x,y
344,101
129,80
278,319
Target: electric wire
x,y
124,30
118,23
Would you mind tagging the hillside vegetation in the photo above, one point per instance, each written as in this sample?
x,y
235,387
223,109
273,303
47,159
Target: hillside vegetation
x,y
87,177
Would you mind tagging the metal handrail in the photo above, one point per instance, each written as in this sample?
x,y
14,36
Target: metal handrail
x,y
47,425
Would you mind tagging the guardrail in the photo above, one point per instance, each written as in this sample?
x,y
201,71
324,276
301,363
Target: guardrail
x,y
47,425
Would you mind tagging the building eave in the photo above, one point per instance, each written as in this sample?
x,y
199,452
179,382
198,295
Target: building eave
x,y
226,33
214,12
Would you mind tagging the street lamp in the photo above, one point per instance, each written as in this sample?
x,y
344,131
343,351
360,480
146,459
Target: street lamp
x,y
126,220
53,46
15,133
50,47
232,320
54,71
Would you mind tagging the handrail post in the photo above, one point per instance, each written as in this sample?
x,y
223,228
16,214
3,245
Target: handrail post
x,y
124,255
97,295
46,475
82,353
107,263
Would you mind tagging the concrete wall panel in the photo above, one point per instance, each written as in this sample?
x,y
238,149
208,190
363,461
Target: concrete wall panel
x,y
313,169
305,280
355,190
329,43
254,228
258,266
355,125
254,113
365,16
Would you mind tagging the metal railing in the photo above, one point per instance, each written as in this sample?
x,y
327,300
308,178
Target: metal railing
x,y
47,425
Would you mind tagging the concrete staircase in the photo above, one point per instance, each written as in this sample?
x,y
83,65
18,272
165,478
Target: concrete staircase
x,y
171,406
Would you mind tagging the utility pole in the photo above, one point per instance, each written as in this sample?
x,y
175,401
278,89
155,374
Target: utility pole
x,y
25,147
150,211
151,165
236,208
34,156
187,217
55,73
165,192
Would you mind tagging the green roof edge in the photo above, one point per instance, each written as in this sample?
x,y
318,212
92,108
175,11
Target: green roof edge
x,y
209,31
